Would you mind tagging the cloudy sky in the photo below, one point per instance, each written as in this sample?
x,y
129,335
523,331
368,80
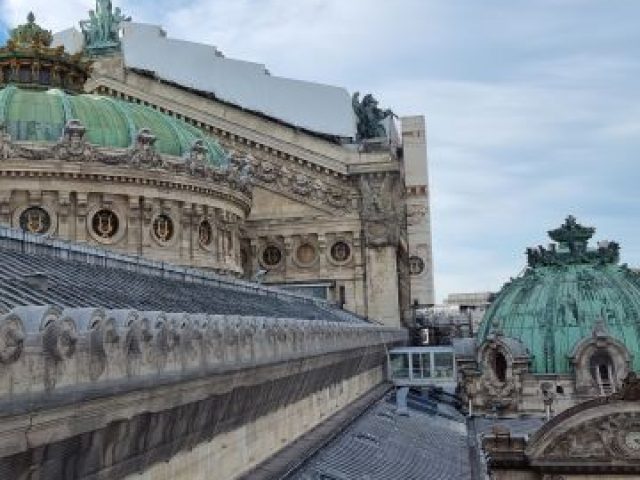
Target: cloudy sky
x,y
532,106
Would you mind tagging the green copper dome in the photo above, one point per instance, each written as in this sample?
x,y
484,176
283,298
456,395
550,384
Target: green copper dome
x,y
567,291
40,116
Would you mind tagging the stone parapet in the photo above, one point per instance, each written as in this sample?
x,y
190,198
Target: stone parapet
x,y
94,393
50,355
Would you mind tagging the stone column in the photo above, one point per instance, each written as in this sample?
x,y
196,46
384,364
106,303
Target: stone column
x,y
381,222
418,211
382,285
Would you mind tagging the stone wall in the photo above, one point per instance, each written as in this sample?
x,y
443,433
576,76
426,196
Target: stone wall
x,y
93,393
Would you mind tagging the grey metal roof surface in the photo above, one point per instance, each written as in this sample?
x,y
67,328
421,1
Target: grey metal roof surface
x,y
381,445
73,283
311,106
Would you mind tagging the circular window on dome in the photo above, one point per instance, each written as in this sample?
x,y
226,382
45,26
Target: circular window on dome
x,y
271,256
340,251
306,254
35,220
105,223
163,228
416,265
205,233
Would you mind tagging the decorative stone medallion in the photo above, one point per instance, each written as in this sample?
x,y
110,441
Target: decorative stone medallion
x,y
340,251
271,256
162,228
35,220
205,233
306,254
416,265
105,224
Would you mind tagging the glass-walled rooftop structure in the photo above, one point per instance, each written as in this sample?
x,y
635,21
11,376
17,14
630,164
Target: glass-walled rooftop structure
x,y
422,366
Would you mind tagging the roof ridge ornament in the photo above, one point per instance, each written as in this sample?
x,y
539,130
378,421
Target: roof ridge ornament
x,y
101,30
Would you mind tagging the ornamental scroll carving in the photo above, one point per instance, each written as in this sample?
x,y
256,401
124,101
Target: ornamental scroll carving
x,y
73,147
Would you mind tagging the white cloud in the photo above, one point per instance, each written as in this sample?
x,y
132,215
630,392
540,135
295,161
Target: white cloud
x,y
531,106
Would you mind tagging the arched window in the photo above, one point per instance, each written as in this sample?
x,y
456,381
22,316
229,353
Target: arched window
x,y
500,366
603,372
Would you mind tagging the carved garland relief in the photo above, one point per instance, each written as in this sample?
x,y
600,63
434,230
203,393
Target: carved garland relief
x,y
285,179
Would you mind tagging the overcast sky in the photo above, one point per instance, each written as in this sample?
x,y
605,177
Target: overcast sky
x,y
532,106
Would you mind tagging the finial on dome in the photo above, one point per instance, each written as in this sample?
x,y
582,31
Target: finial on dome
x,y
571,233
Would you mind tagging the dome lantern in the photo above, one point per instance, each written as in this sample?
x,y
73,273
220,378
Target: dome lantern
x,y
28,60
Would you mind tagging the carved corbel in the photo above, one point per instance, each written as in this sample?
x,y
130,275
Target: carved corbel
x,y
144,153
12,337
73,147
59,337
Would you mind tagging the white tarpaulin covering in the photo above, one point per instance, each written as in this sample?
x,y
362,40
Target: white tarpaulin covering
x,y
319,108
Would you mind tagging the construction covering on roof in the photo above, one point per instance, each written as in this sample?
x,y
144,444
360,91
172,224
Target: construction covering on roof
x,y
318,108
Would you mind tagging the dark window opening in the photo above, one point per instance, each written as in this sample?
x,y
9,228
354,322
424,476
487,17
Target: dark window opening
x,y
343,296
560,389
500,366
603,372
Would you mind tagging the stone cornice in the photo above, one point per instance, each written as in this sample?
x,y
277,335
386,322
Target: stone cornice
x,y
159,179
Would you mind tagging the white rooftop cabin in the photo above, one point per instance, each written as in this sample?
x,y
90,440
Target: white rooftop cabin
x,y
422,366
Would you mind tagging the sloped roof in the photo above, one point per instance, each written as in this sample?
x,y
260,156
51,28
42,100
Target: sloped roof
x,y
71,275
382,445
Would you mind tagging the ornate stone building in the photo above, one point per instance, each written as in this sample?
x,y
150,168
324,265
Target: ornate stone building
x,y
121,137
564,332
